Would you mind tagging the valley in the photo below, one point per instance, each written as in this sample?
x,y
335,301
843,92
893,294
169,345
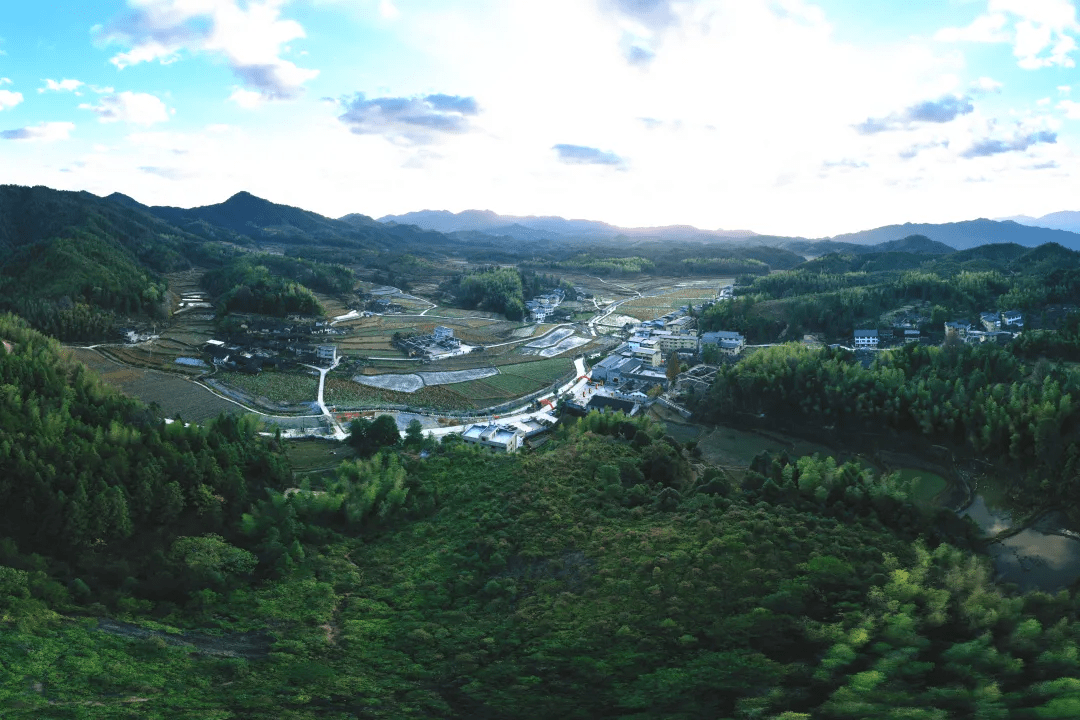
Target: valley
x,y
390,473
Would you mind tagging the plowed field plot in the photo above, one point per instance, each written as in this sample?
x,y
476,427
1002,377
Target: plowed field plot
x,y
175,396
564,345
276,387
554,338
405,383
449,378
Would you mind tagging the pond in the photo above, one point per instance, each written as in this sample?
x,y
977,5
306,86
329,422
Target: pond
x,y
1042,556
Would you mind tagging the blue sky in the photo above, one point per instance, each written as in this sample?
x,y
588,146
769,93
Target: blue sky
x,y
781,116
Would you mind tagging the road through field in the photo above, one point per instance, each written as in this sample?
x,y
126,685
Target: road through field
x,y
339,433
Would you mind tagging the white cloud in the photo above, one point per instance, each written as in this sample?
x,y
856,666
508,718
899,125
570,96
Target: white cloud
x,y
247,99
985,85
130,107
1071,108
44,132
1040,31
5,81
990,28
9,99
66,85
388,10
250,36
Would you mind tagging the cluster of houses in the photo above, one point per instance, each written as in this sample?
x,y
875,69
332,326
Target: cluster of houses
x,y
992,327
439,343
542,306
253,361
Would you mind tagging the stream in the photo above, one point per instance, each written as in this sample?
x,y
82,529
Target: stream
x,y
1043,555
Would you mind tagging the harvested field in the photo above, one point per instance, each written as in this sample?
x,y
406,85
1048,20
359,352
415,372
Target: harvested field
x,y
566,345
175,396
553,339
407,383
617,320
411,382
449,378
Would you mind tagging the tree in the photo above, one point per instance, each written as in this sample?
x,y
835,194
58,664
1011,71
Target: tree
x,y
672,367
370,436
414,433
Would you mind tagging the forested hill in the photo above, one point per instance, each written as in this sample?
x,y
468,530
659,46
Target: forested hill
x,y
33,215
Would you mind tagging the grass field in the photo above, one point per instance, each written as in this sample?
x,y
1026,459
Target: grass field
x,y
277,387
734,449
483,392
541,371
926,486
309,455
497,388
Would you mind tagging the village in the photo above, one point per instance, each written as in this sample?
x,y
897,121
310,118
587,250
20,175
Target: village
x,y
621,363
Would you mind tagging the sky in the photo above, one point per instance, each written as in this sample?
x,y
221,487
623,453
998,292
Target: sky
x,y
779,116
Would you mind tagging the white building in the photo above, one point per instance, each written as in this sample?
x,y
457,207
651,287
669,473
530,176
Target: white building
x,y
327,353
501,438
443,333
866,338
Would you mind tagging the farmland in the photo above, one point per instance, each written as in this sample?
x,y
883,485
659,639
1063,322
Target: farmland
x,y
278,388
176,397
656,303
343,393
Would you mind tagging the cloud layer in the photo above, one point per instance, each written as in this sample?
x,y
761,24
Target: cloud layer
x,y
129,107
942,110
46,132
1042,32
249,36
1019,142
416,119
584,155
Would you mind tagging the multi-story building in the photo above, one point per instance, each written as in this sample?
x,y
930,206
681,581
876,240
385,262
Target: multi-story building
x,y
866,338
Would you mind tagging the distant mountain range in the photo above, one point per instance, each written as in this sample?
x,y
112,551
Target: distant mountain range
x,y
953,236
966,234
1063,220
533,227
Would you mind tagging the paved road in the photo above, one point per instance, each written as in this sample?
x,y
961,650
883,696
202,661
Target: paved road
x,y
339,432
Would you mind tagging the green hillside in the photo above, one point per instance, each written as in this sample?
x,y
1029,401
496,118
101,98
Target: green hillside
x,y
152,570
